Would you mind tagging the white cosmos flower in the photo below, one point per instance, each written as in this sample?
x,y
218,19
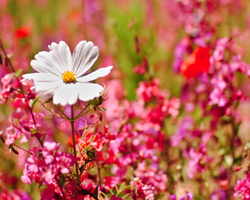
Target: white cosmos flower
x,y
63,76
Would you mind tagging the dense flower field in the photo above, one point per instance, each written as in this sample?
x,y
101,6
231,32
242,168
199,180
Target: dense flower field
x,y
124,99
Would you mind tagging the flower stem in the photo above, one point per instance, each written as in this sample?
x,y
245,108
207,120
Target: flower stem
x,y
99,176
72,121
60,188
37,135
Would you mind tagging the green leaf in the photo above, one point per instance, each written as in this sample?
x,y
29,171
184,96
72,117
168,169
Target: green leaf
x,y
91,106
101,109
47,101
43,138
18,72
237,127
1,132
125,196
40,185
62,180
238,159
122,186
34,102
96,192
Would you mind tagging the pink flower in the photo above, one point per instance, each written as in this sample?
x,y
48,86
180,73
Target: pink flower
x,y
242,188
48,166
142,68
198,160
147,91
115,198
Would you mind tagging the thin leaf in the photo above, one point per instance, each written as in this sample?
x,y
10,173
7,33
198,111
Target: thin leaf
x,y
47,101
101,109
122,186
40,184
238,160
43,138
34,102
18,72
111,191
125,196
96,192
62,180
91,106
104,195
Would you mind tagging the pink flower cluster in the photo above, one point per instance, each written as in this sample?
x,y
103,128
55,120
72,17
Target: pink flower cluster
x,y
46,163
242,188
24,127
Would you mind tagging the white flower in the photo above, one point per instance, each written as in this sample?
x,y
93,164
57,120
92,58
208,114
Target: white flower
x,y
63,76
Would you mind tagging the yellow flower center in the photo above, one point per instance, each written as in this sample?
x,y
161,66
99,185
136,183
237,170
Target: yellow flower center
x,y
68,77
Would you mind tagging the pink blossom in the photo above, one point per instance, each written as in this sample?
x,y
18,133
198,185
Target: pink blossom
x,y
48,166
147,91
242,188
198,160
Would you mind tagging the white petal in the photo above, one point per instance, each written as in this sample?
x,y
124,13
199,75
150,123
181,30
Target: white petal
x,y
61,54
46,90
44,84
85,54
88,91
94,75
66,94
42,77
56,62
46,87
44,63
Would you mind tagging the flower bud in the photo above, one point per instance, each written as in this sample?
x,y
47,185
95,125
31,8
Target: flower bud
x,y
2,139
91,154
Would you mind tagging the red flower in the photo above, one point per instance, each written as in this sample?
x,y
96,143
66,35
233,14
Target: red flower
x,y
196,63
70,141
22,32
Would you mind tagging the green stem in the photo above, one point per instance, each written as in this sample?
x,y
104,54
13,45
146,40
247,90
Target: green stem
x,y
82,111
72,111
72,121
99,175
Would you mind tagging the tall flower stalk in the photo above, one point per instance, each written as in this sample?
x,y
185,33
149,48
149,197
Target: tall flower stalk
x,y
72,121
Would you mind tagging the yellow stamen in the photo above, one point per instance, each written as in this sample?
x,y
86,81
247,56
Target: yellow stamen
x,y
68,77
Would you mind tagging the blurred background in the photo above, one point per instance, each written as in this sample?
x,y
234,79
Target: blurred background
x,y
129,33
